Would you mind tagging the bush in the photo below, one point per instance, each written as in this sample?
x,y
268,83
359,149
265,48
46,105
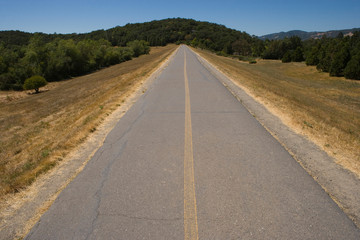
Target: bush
x,y
34,82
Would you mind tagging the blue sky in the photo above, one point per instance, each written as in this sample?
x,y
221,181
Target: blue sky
x,y
256,17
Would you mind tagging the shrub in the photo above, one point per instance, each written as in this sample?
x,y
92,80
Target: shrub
x,y
34,82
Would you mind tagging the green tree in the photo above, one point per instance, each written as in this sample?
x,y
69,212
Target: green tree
x,y
297,55
257,48
352,69
139,47
126,53
241,47
34,82
325,54
194,42
294,42
34,59
60,56
274,49
312,57
3,65
287,57
100,51
339,62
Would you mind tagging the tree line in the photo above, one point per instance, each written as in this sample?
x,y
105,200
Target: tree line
x,y
60,56
338,56
60,59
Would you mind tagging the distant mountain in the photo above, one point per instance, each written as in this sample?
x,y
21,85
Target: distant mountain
x,y
307,35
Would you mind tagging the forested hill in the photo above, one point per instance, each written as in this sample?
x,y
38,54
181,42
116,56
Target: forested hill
x,y
156,33
209,35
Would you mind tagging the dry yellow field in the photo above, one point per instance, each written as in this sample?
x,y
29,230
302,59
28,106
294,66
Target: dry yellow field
x,y
39,130
324,109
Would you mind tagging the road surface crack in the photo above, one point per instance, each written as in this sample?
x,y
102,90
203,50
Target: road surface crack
x,y
98,194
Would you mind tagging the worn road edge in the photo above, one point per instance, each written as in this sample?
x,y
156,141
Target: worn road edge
x,y
40,195
340,184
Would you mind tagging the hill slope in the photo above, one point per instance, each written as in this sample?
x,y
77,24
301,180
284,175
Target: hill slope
x,y
308,35
157,33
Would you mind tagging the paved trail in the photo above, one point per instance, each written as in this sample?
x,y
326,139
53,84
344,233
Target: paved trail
x,y
189,162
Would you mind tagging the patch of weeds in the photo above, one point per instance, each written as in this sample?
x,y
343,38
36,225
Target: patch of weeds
x,y
101,107
93,129
14,175
81,140
17,151
45,153
308,124
27,166
44,124
47,167
87,119
44,168
40,126
252,62
29,180
327,145
222,53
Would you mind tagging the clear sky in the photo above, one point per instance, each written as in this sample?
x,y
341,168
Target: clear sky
x,y
256,17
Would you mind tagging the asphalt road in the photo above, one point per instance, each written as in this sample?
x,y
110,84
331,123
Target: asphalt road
x,y
188,161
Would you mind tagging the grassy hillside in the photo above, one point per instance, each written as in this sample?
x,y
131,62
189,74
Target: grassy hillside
x,y
33,139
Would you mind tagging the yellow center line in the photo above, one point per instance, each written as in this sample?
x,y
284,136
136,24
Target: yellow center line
x,y
190,213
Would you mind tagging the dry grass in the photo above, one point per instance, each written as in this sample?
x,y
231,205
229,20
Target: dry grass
x,y
325,109
39,130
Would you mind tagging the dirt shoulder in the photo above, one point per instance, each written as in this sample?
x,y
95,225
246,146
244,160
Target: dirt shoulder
x,y
20,211
342,185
